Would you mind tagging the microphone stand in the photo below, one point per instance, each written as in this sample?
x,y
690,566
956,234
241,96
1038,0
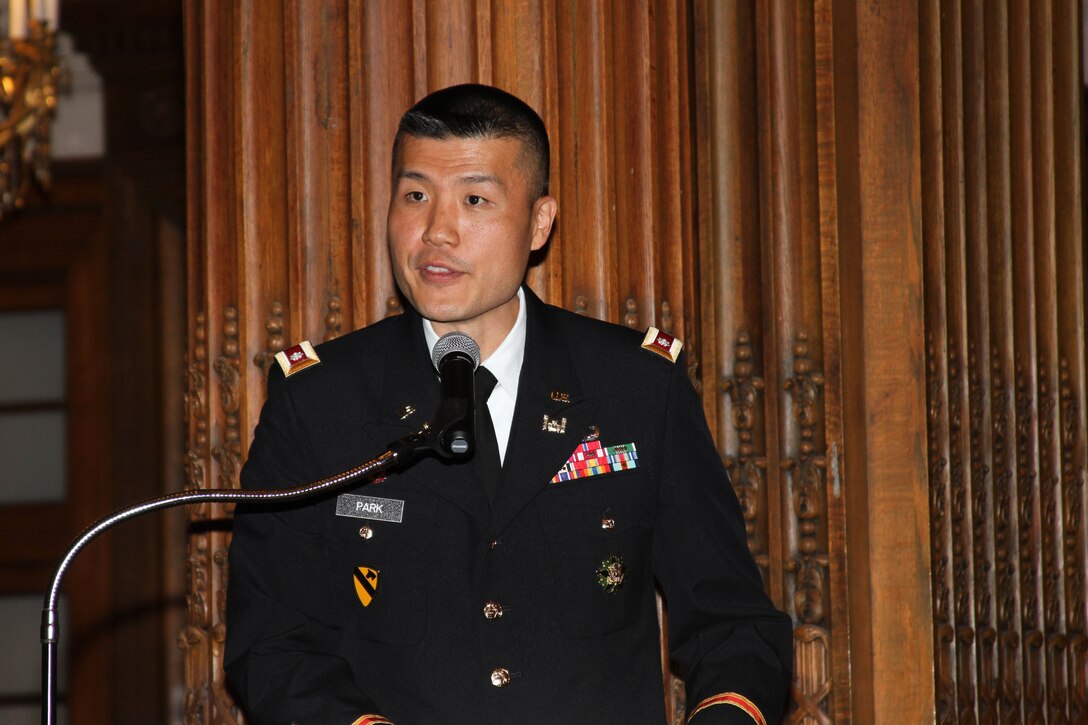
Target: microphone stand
x,y
400,452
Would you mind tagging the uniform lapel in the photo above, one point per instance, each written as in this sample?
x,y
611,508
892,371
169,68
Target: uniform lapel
x,y
536,451
409,379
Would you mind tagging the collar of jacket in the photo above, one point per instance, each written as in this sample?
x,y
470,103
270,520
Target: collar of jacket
x,y
534,454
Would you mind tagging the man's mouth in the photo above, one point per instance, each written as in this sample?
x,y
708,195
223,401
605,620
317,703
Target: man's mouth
x,y
438,273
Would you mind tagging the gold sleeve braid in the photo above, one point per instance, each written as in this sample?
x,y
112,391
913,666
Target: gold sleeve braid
x,y
730,698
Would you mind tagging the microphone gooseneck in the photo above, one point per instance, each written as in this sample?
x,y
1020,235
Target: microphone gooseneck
x,y
456,356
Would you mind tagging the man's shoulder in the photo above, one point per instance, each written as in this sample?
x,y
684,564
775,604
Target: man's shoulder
x,y
374,340
620,346
345,355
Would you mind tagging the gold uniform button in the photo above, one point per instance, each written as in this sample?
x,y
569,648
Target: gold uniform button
x,y
608,523
500,677
492,610
366,532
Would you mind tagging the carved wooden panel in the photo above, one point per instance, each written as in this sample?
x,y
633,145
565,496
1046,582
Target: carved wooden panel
x,y
863,219
1004,296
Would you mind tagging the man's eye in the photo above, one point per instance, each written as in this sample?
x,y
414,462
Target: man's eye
x,y
416,196
474,200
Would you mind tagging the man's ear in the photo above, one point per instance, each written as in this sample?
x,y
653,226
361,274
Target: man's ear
x,y
544,210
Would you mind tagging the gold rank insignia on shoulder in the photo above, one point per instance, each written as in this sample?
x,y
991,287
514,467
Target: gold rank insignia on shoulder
x,y
664,344
366,584
297,358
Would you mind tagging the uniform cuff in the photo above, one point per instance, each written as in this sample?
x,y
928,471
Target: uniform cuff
x,y
734,700
371,720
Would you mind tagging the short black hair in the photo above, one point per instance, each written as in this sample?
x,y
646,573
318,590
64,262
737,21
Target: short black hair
x,y
472,110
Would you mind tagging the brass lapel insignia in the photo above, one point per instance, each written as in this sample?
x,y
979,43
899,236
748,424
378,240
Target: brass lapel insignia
x,y
554,426
366,584
560,397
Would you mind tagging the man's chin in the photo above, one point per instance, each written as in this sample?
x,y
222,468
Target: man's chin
x,y
440,313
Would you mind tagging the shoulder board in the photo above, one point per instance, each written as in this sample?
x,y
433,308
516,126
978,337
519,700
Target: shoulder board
x,y
662,343
297,358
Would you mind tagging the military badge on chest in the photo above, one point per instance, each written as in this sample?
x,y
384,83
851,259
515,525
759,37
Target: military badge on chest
x,y
590,458
610,574
366,584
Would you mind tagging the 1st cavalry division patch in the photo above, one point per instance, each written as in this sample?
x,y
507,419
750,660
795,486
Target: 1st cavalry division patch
x,y
366,584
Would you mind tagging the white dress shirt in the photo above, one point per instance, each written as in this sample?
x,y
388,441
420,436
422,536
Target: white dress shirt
x,y
505,365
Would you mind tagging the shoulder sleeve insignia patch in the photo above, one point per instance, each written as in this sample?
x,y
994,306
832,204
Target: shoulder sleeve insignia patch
x,y
297,358
663,344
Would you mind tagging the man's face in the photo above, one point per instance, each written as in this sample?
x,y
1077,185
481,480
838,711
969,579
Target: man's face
x,y
462,221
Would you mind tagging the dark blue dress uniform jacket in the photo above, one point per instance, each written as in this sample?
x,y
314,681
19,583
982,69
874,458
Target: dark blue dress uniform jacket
x,y
302,648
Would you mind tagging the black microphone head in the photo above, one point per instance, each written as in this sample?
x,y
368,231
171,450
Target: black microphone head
x,y
455,342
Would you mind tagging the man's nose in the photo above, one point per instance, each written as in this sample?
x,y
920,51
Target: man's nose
x,y
441,226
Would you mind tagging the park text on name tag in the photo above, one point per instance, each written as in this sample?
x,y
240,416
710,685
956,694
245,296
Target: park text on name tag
x,y
369,507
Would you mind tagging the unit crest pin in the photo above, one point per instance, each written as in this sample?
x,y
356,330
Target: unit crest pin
x,y
551,425
610,574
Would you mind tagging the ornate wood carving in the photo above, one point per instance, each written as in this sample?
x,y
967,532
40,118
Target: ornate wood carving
x,y
808,561
196,405
1074,564
275,341
940,536
630,315
334,319
748,467
1056,640
694,370
666,317
962,546
194,638
812,658
228,454
982,524
1027,480
1006,546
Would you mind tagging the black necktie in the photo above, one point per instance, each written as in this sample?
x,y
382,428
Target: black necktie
x,y
486,457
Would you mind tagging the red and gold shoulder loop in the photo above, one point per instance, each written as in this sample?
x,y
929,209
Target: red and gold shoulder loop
x,y
297,358
662,343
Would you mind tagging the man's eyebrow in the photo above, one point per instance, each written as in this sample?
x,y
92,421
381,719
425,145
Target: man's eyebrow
x,y
483,178
480,178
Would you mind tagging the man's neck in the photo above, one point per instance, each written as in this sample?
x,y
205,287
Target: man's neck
x,y
488,333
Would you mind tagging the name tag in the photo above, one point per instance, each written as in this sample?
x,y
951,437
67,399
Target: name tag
x,y
369,507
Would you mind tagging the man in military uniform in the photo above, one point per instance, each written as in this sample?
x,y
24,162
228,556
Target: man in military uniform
x,y
516,588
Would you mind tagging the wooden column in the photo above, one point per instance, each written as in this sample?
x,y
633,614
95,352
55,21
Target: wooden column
x,y
1004,293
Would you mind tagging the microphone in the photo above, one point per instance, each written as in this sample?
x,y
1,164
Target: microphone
x,y
456,356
